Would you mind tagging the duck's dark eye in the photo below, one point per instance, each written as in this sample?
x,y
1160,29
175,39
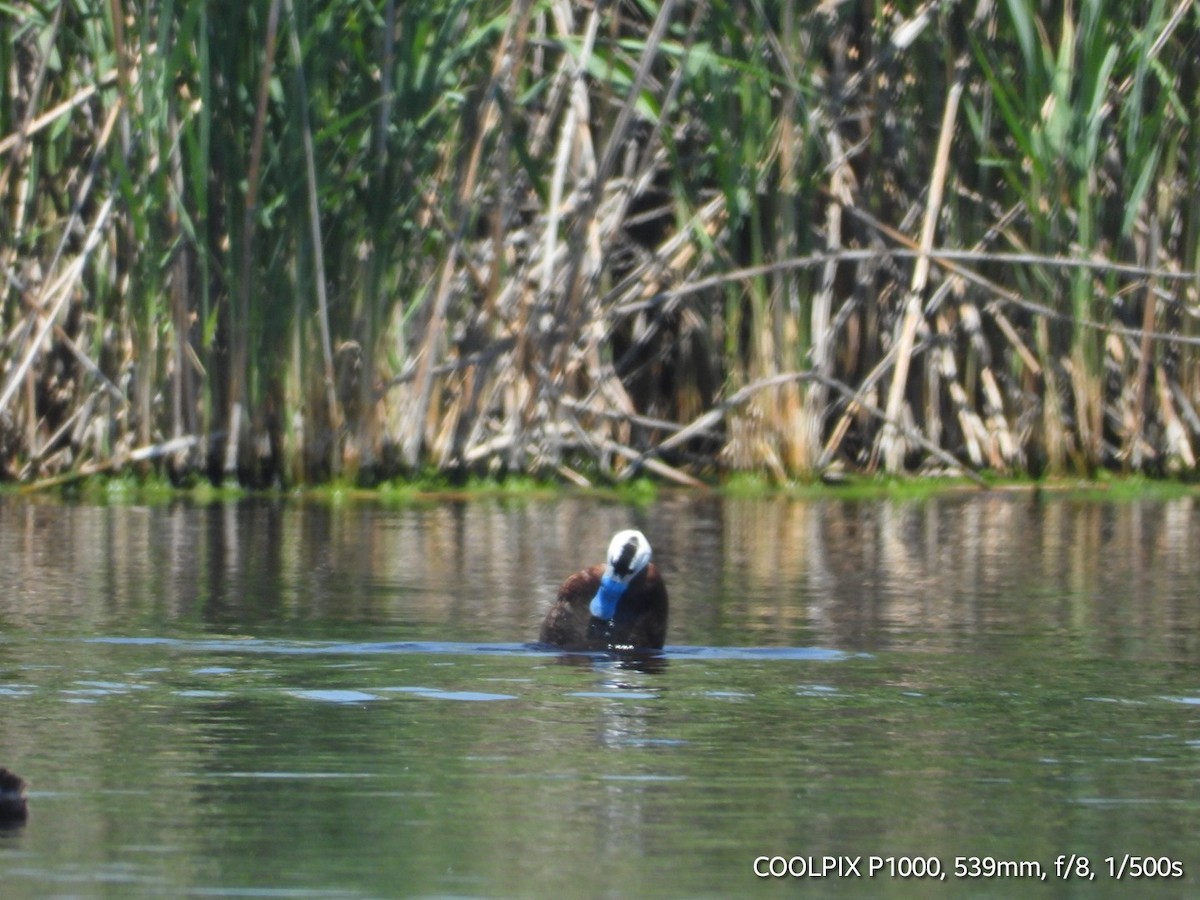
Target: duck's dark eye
x,y
622,565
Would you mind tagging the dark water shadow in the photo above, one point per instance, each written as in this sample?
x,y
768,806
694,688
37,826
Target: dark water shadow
x,y
648,662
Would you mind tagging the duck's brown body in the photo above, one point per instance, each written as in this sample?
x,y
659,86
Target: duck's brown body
x,y
12,798
641,619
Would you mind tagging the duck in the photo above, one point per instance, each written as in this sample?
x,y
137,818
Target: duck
x,y
13,808
619,605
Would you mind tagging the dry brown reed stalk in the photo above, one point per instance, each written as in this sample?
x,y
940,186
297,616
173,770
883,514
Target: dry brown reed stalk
x,y
117,462
53,298
597,218
539,375
816,397
39,123
29,125
417,429
1134,437
893,449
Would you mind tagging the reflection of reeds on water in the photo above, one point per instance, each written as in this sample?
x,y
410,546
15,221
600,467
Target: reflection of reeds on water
x,y
450,570
592,240
848,574
834,573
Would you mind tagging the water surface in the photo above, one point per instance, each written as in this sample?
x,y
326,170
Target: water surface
x,y
302,700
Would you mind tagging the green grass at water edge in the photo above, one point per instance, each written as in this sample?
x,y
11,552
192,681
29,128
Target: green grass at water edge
x,y
432,487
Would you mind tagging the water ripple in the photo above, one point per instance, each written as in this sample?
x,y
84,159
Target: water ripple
x,y
359,648
335,696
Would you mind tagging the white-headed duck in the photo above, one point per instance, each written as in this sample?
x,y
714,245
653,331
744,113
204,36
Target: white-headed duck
x,y
622,604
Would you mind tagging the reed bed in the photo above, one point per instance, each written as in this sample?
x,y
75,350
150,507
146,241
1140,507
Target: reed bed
x,y
284,242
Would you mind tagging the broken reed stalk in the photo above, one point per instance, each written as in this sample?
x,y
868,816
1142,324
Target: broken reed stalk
x,y
709,420
413,438
1149,309
893,449
115,463
17,141
576,112
53,298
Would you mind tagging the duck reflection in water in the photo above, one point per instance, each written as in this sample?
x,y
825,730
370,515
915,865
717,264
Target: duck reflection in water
x,y
621,605
13,809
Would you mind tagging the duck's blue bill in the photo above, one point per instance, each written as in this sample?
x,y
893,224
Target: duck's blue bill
x,y
604,604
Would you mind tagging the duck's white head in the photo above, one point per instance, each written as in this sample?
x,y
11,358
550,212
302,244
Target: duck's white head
x,y
628,555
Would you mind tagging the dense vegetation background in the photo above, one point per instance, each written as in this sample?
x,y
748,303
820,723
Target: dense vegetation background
x,y
287,241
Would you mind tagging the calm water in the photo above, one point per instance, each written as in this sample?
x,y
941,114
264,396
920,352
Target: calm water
x,y
270,699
